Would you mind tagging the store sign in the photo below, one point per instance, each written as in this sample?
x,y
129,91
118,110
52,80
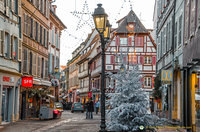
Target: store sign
x,y
166,76
6,79
27,81
89,94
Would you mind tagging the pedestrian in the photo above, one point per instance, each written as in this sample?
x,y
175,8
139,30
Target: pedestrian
x,y
87,107
90,108
97,106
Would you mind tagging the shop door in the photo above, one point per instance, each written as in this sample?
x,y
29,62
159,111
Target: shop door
x,y
5,104
23,107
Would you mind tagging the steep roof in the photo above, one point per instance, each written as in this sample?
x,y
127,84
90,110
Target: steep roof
x,y
131,18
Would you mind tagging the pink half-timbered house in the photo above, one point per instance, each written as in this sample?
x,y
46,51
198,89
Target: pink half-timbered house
x,y
134,41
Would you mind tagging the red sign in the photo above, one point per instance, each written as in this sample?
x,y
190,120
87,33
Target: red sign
x,y
6,79
27,81
89,94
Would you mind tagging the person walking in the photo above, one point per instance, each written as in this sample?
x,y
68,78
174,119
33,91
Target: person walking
x,y
87,109
90,108
97,106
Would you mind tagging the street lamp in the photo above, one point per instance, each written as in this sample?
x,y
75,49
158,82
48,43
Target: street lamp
x,y
103,27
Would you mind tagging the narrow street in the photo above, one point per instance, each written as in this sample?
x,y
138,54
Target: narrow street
x,y
69,122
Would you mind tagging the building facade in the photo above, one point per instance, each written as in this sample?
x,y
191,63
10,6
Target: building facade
x,y
191,68
169,37
10,59
74,84
86,77
56,26
134,42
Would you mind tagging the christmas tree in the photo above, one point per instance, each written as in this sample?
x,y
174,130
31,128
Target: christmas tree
x,y
129,105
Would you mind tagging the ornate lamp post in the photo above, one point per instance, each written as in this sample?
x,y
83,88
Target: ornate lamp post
x,y
103,27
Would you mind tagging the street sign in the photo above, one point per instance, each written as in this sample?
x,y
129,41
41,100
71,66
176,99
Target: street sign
x,y
166,76
89,94
27,81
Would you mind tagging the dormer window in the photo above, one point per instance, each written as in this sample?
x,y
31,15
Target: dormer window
x,y
131,27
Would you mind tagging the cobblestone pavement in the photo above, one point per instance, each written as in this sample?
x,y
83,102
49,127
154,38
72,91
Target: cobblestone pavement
x,y
69,122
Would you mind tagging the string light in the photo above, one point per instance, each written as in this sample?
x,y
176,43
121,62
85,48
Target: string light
x,y
85,12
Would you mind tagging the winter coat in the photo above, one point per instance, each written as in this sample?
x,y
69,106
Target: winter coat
x,y
90,106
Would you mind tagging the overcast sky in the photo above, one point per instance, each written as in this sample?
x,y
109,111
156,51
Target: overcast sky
x,y
79,26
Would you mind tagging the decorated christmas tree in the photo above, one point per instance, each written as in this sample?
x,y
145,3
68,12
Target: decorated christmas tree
x,y
129,108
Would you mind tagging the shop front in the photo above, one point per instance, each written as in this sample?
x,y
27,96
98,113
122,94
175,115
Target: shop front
x,y
31,96
9,97
195,100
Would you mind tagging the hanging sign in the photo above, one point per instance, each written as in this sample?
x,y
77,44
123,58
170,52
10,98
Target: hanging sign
x,y
166,76
89,94
27,81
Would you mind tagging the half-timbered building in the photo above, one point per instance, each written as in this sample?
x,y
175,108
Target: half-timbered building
x,y
132,40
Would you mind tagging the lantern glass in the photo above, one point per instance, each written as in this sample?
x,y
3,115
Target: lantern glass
x,y
100,19
107,31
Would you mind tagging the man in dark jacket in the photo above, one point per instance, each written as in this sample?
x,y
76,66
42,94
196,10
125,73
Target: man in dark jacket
x,y
90,109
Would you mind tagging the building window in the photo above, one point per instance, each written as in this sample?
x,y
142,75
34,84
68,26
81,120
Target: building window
x,y
57,62
147,60
180,30
15,4
147,81
139,41
36,31
7,45
14,45
42,68
41,34
34,64
124,41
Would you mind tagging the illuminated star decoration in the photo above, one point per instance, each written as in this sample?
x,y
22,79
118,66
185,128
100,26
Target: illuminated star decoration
x,y
85,17
130,2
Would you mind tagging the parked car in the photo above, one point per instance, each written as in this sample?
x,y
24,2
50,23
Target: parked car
x,y
77,107
58,109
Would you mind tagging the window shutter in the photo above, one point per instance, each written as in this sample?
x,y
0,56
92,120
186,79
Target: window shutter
x,y
38,32
112,59
2,42
24,61
134,59
129,41
125,58
12,47
117,40
7,8
20,50
12,5
153,60
47,40
9,47
153,82
50,63
28,61
141,60
2,6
